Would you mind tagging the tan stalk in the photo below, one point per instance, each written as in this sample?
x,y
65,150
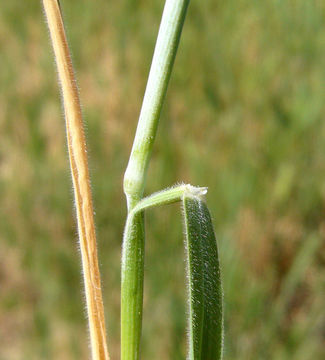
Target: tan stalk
x,y
81,183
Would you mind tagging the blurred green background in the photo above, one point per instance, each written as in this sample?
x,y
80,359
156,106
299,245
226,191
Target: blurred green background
x,y
244,115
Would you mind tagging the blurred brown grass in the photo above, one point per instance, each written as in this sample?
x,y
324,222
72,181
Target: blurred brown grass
x,y
244,115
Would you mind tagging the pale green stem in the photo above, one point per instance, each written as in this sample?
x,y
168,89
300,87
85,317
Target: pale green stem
x,y
132,287
134,178
161,67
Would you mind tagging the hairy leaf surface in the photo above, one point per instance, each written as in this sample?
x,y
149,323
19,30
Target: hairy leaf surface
x,y
205,289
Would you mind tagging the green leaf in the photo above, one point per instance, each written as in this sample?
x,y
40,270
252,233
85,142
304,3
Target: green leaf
x,y
205,289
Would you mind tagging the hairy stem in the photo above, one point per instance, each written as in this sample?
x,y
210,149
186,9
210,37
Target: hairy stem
x,y
80,178
132,287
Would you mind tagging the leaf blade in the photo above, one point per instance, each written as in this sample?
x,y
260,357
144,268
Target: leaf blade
x,y
205,288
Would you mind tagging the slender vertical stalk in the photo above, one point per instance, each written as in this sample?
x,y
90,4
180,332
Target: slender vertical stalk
x,y
132,287
135,175
80,177
161,67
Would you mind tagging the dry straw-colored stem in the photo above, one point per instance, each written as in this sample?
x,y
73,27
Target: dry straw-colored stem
x,y
80,177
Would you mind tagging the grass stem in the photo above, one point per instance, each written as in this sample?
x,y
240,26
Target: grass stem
x,y
80,178
135,175
162,63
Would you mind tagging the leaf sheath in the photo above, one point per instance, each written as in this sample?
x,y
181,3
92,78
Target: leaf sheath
x,y
132,286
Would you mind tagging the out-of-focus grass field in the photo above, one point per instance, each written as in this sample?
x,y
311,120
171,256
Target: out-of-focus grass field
x,y
244,116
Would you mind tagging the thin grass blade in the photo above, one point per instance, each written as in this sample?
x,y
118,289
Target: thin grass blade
x,y
80,178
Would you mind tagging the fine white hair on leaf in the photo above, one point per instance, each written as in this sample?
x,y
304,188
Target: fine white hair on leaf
x,y
195,191
205,320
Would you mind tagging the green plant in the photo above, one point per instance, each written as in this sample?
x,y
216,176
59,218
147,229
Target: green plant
x,y
205,292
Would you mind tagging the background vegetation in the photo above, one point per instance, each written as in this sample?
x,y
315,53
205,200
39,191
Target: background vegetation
x,y
244,116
